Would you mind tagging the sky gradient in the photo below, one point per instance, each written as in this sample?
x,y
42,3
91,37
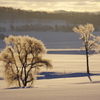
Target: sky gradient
x,y
51,5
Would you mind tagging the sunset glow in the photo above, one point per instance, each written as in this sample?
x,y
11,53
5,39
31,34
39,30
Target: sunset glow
x,y
51,5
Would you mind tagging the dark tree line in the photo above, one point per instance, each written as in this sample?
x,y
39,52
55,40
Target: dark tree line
x,y
72,17
75,18
38,27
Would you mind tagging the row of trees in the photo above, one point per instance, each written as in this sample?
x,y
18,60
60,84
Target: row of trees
x,y
38,27
7,13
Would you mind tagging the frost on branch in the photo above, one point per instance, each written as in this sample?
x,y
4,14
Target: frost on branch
x,y
89,40
97,49
22,59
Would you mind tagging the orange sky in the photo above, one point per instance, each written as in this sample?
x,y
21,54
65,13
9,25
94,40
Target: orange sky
x,y
51,5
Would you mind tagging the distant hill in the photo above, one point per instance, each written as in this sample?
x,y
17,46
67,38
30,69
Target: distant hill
x,y
60,11
72,17
41,21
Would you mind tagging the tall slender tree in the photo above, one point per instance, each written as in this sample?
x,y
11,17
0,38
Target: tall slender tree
x,y
89,40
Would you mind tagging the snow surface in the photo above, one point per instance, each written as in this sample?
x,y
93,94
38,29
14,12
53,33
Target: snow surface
x,y
52,40
66,81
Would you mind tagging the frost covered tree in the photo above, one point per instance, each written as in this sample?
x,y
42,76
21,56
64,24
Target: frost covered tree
x,y
89,40
98,44
22,59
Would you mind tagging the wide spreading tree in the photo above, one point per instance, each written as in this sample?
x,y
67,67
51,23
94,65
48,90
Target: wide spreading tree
x,y
22,59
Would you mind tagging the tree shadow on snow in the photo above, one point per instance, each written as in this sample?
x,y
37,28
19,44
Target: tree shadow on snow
x,y
53,75
1,78
19,87
75,52
13,88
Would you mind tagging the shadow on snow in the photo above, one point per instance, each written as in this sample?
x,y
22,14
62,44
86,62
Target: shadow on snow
x,y
1,78
79,52
19,87
53,75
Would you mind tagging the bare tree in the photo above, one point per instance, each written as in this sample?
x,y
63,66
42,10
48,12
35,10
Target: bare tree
x,y
89,40
22,59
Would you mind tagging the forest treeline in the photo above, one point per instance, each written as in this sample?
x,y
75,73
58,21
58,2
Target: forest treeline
x,y
8,13
38,27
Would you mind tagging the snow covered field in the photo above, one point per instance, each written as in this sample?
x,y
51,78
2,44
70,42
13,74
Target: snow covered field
x,y
66,81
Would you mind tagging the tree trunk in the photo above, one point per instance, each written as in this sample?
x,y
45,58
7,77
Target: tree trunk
x,y
25,82
87,60
25,77
19,82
